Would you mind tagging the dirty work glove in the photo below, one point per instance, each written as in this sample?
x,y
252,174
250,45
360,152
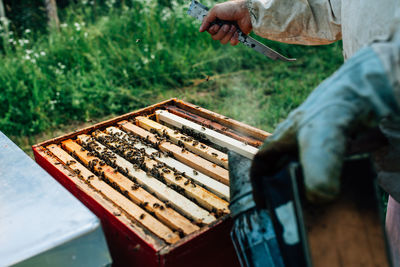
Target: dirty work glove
x,y
353,99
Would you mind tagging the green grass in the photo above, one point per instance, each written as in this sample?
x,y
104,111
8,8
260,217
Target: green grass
x,y
133,56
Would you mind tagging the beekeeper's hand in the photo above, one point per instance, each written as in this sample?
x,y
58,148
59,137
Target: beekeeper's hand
x,y
234,11
356,97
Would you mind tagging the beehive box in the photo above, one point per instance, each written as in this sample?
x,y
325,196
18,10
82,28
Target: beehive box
x,y
158,179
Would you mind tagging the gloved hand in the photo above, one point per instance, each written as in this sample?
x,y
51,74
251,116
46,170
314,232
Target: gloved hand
x,y
234,11
353,99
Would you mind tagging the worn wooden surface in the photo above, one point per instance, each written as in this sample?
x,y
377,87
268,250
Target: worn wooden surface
x,y
207,182
189,143
129,207
214,126
188,158
213,136
137,194
205,198
176,200
238,126
343,235
350,230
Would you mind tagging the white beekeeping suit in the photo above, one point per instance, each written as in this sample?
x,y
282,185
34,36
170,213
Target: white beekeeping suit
x,y
369,29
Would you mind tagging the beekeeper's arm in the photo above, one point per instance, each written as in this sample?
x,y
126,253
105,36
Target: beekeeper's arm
x,y
310,22
358,96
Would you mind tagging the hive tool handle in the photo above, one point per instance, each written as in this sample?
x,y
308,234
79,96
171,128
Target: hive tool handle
x,y
252,233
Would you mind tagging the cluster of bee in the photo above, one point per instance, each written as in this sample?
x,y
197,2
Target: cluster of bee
x,y
177,188
186,138
209,126
191,182
181,144
144,204
165,134
166,170
116,213
123,144
196,135
69,162
195,143
135,186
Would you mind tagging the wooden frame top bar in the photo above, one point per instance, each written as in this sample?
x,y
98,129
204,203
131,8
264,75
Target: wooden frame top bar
x,y
215,137
138,195
117,198
192,160
205,198
209,183
168,215
214,126
231,123
189,143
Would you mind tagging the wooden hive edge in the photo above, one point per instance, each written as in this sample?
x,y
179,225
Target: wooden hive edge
x,y
156,243
106,123
228,122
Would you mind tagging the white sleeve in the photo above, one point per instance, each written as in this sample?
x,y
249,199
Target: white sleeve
x,y
309,22
389,53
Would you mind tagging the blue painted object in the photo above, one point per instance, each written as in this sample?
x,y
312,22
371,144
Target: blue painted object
x,y
41,223
253,233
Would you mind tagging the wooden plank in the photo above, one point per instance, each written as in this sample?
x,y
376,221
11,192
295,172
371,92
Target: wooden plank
x,y
205,198
215,137
207,182
107,205
241,127
106,123
189,143
176,200
188,158
125,204
137,194
213,126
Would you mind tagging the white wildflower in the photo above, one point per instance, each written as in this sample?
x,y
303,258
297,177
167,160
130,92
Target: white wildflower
x,y
42,53
64,25
36,55
77,26
61,65
27,57
27,31
85,34
28,51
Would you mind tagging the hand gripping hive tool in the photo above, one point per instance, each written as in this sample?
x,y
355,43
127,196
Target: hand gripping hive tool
x,y
199,11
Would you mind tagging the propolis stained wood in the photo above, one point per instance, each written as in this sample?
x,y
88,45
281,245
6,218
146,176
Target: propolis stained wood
x,y
104,178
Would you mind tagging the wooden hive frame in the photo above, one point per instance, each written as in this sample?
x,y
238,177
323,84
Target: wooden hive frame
x,y
157,234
